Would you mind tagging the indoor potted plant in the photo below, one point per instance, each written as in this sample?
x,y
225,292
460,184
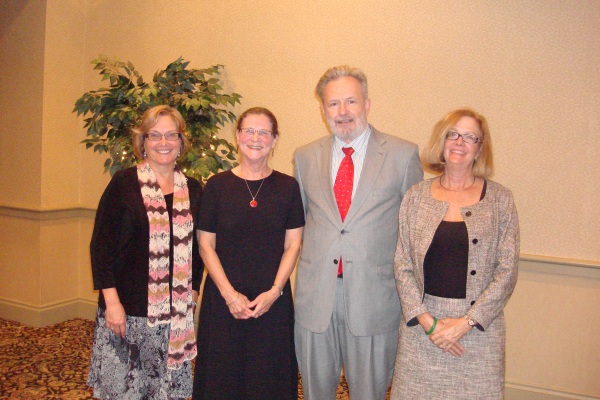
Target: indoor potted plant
x,y
110,113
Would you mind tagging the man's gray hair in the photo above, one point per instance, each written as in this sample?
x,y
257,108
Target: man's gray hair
x,y
338,72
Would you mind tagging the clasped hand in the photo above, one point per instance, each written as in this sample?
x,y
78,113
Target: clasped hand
x,y
243,308
447,334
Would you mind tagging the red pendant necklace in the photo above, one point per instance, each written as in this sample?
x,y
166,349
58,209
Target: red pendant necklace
x,y
253,202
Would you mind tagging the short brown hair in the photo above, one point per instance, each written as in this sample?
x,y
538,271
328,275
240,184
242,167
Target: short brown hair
x,y
259,111
149,120
433,154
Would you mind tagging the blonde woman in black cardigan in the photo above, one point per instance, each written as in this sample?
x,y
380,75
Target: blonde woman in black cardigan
x,y
455,268
147,269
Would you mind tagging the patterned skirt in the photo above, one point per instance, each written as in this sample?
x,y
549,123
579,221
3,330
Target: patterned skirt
x,y
135,367
423,371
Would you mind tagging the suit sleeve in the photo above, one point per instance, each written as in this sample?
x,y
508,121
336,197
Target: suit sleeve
x,y
492,300
404,265
298,176
413,172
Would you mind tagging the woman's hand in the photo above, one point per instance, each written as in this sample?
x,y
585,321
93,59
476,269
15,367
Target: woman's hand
x,y
115,319
447,334
239,306
115,313
263,302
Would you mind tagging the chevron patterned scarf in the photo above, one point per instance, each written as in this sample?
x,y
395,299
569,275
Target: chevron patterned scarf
x,y
175,306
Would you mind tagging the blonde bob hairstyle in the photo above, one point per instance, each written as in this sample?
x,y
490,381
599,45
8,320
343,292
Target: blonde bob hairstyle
x,y
433,154
149,120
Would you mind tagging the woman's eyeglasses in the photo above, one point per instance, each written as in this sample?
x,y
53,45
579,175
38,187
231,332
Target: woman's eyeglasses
x,y
170,136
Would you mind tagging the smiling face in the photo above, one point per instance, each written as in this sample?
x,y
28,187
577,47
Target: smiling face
x,y
255,147
345,108
457,152
163,152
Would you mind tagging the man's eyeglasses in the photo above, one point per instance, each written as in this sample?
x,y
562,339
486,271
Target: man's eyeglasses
x,y
466,137
170,136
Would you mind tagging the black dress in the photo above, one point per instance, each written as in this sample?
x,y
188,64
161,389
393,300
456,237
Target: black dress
x,y
254,358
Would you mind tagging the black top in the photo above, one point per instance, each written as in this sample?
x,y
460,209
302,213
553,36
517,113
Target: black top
x,y
446,261
120,243
445,265
248,236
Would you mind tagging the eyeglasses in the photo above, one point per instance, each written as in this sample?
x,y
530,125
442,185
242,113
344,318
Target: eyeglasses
x,y
156,136
466,137
263,133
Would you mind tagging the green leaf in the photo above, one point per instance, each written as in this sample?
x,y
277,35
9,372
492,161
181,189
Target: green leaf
x,y
110,113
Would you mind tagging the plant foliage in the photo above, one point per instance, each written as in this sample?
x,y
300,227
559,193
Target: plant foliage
x,y
110,113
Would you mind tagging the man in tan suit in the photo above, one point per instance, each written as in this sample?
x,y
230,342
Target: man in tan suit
x,y
352,183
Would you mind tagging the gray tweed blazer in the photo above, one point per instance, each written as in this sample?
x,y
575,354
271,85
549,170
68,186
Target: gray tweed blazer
x,y
493,229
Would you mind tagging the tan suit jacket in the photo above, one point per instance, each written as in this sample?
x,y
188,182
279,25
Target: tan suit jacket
x,y
366,239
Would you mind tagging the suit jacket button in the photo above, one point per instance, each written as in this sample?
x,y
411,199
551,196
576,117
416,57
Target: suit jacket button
x,y
468,213
473,302
473,272
343,232
335,262
475,241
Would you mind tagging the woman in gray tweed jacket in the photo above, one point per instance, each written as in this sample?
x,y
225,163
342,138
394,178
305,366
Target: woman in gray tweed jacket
x,y
455,267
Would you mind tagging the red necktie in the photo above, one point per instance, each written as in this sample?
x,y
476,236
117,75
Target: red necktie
x,y
342,188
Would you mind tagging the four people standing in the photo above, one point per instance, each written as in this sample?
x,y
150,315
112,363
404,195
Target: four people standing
x,y
455,237
456,267
352,183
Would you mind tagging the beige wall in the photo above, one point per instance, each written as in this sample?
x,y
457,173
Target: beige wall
x,y
530,66
21,85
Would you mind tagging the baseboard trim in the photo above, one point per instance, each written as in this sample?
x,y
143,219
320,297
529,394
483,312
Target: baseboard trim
x,y
516,391
47,315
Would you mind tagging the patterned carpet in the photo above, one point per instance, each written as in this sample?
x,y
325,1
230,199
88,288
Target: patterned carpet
x,y
52,362
45,363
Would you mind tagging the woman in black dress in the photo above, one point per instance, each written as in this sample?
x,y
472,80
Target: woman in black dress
x,y
250,232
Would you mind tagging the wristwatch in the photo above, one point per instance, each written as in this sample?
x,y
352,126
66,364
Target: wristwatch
x,y
470,321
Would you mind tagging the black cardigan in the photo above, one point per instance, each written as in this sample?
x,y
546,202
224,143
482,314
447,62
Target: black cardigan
x,y
120,242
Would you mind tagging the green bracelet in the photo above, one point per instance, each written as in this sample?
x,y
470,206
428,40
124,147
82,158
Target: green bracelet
x,y
430,331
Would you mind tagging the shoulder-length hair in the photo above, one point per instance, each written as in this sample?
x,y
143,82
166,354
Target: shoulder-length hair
x,y
149,120
433,154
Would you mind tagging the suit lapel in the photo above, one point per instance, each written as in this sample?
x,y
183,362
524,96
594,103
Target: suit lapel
x,y
324,167
371,166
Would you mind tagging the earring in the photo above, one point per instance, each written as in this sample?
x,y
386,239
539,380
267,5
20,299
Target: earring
x,y
273,153
179,153
144,154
